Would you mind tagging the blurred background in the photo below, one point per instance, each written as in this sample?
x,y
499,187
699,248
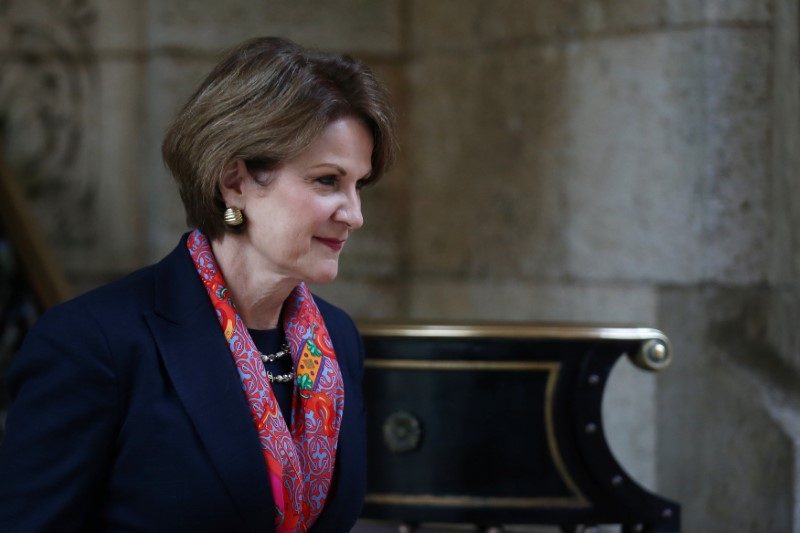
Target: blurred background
x,y
613,161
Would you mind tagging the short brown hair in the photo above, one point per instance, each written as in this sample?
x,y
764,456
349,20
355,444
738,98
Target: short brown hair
x,y
266,102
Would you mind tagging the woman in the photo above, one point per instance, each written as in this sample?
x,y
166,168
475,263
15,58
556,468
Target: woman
x,y
212,391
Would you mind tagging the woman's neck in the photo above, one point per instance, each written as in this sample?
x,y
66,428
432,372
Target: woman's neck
x,y
258,294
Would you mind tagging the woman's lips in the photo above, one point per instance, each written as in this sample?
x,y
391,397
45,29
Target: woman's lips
x,y
333,244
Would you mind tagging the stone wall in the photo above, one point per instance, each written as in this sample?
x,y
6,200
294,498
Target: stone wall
x,y
579,160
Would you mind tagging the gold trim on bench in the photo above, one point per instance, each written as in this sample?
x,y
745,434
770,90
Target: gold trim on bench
x,y
470,501
552,368
521,330
654,355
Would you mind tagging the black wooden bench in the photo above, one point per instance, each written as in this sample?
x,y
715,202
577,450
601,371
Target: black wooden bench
x,y
500,424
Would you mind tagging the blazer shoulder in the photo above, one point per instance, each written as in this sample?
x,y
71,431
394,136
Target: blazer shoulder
x,y
112,302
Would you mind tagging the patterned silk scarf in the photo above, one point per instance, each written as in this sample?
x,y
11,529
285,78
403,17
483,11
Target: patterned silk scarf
x,y
300,462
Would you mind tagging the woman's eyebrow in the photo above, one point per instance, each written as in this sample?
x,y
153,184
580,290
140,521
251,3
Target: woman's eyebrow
x,y
339,169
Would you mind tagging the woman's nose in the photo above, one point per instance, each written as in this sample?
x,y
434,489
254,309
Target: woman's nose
x,y
350,212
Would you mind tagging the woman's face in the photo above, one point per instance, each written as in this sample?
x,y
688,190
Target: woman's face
x,y
298,224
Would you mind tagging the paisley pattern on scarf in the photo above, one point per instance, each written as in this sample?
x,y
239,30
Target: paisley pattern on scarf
x,y
300,461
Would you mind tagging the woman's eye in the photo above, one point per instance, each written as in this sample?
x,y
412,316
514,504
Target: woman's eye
x,y
327,180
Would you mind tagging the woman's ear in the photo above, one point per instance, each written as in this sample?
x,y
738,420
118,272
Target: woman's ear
x,y
231,185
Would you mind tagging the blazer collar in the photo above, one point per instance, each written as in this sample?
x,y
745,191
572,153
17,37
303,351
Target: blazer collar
x,y
199,364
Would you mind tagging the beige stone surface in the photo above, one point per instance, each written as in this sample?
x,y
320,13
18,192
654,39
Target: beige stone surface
x,y
518,301
711,11
677,193
363,299
485,193
725,453
170,80
737,184
477,24
683,164
40,27
629,409
343,25
47,91
448,25
785,253
77,113
782,316
568,20
120,194
119,26
617,16
635,155
784,257
474,24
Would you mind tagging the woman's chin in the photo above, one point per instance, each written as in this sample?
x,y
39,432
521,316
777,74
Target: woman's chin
x,y
323,276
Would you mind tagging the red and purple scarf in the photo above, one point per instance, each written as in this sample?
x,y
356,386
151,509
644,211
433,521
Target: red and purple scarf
x,y
300,462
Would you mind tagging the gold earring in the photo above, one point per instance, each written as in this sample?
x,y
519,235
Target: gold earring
x,y
233,217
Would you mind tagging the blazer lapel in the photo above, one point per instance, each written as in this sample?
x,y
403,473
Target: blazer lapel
x,y
199,364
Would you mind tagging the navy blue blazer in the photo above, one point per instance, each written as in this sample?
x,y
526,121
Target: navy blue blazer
x,y
128,415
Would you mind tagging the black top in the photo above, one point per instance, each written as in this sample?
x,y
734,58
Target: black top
x,y
269,341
